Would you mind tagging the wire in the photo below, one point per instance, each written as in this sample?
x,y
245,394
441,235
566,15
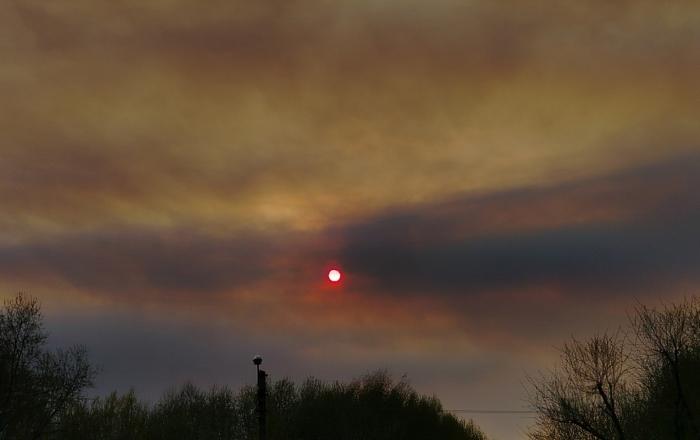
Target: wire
x,y
490,411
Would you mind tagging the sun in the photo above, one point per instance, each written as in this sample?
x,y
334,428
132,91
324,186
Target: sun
x,y
334,275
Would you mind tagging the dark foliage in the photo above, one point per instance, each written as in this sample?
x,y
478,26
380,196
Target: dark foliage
x,y
36,386
374,407
41,398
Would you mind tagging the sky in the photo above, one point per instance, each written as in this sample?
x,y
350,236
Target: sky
x,y
177,177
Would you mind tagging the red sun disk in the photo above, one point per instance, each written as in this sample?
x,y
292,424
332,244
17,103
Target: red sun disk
x,y
334,275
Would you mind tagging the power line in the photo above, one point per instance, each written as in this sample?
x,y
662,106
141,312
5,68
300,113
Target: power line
x,y
491,411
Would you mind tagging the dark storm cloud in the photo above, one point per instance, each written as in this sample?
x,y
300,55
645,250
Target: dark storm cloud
x,y
653,237
130,262
635,227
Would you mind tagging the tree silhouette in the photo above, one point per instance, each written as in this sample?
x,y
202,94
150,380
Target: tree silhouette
x,y
373,407
36,386
41,398
629,388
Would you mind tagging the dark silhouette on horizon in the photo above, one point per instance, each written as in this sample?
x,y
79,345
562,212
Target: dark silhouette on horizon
x,y
42,396
643,384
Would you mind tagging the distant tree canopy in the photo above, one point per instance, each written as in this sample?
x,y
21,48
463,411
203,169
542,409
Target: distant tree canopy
x,y
41,397
372,408
644,385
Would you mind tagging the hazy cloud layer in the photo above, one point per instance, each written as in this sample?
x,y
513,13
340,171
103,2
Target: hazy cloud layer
x,y
615,232
490,176
128,262
300,114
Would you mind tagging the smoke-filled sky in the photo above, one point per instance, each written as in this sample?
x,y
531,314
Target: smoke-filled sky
x,y
177,176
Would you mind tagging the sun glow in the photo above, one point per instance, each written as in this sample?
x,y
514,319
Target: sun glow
x,y
334,275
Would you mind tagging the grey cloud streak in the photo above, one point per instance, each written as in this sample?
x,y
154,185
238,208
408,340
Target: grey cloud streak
x,y
125,261
424,249
453,247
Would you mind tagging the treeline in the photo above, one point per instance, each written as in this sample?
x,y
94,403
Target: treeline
x,y
639,383
374,407
42,396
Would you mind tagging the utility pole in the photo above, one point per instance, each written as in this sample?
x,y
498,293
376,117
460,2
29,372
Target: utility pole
x,y
262,397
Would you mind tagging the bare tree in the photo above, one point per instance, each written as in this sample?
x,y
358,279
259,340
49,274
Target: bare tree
x,y
36,385
668,341
613,387
585,397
